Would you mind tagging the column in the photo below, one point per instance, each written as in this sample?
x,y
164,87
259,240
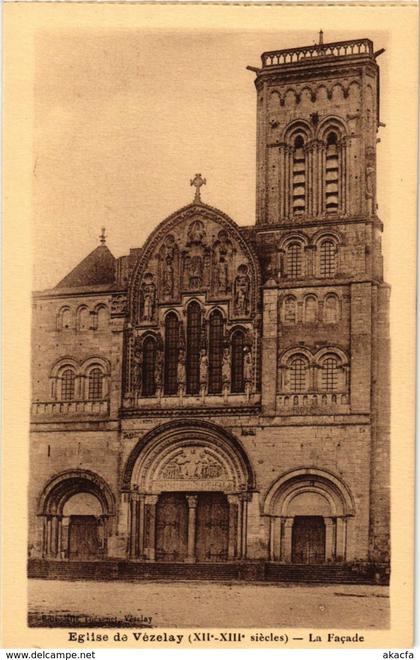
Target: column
x,y
282,180
329,539
244,502
340,539
192,515
269,350
239,530
233,519
54,536
286,553
133,525
151,501
140,521
271,546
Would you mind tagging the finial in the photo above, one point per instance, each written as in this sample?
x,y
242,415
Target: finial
x,y
102,236
321,37
197,182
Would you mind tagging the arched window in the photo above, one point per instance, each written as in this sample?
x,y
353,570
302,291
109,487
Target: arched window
x,y
68,378
149,363
83,319
327,258
331,173
299,179
298,372
289,314
294,259
102,318
171,353
329,374
311,309
95,383
193,347
238,345
215,352
331,310
64,319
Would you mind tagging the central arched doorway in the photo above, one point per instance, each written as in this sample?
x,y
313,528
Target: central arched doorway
x,y
188,487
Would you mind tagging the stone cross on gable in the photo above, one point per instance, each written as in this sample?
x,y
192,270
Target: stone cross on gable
x,y
197,182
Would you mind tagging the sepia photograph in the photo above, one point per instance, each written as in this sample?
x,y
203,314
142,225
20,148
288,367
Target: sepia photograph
x,y
209,432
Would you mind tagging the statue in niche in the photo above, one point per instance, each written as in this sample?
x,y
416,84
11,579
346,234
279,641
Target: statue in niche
x,y
242,290
137,371
158,370
149,298
226,370
193,271
196,233
204,370
180,373
223,251
248,370
168,267
370,176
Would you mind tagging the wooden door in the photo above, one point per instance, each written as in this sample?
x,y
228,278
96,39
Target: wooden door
x,y
212,527
308,540
171,527
83,537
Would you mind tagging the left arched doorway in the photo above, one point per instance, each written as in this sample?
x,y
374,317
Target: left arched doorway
x,y
75,509
188,488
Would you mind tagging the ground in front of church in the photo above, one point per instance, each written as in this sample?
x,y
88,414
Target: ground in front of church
x,y
207,604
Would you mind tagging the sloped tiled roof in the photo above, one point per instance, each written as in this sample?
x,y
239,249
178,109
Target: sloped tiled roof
x,y
97,268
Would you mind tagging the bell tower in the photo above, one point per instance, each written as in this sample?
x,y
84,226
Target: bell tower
x,y
317,118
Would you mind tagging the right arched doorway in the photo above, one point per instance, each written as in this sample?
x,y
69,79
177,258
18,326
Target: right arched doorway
x,y
309,512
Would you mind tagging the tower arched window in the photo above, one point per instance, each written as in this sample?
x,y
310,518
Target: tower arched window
x,y
83,319
64,319
311,309
289,312
331,309
327,258
193,347
171,353
215,352
238,346
68,380
95,383
294,259
299,177
149,364
330,374
298,374
331,173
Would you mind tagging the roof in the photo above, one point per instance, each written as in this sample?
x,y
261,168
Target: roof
x,y
97,268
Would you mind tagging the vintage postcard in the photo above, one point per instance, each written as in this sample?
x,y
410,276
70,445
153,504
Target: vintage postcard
x,y
210,243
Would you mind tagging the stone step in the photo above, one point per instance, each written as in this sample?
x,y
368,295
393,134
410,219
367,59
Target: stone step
x,y
222,571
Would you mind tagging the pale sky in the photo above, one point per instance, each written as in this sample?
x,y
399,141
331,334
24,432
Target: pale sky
x,y
125,118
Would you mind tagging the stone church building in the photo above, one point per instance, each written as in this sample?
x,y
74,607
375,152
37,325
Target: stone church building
x,y
220,394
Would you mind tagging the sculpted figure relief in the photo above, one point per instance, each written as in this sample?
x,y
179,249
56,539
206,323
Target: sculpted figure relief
x,y
149,298
242,292
226,367
181,373
204,368
137,371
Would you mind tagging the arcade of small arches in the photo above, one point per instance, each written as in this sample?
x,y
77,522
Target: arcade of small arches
x,y
185,497
310,308
82,319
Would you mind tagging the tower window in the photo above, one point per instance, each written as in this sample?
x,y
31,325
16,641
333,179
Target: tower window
x,y
193,348
294,260
331,174
149,360
329,374
95,383
238,345
299,177
327,258
298,373
68,378
215,352
171,353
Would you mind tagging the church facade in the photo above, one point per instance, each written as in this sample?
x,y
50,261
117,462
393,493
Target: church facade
x,y
222,392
